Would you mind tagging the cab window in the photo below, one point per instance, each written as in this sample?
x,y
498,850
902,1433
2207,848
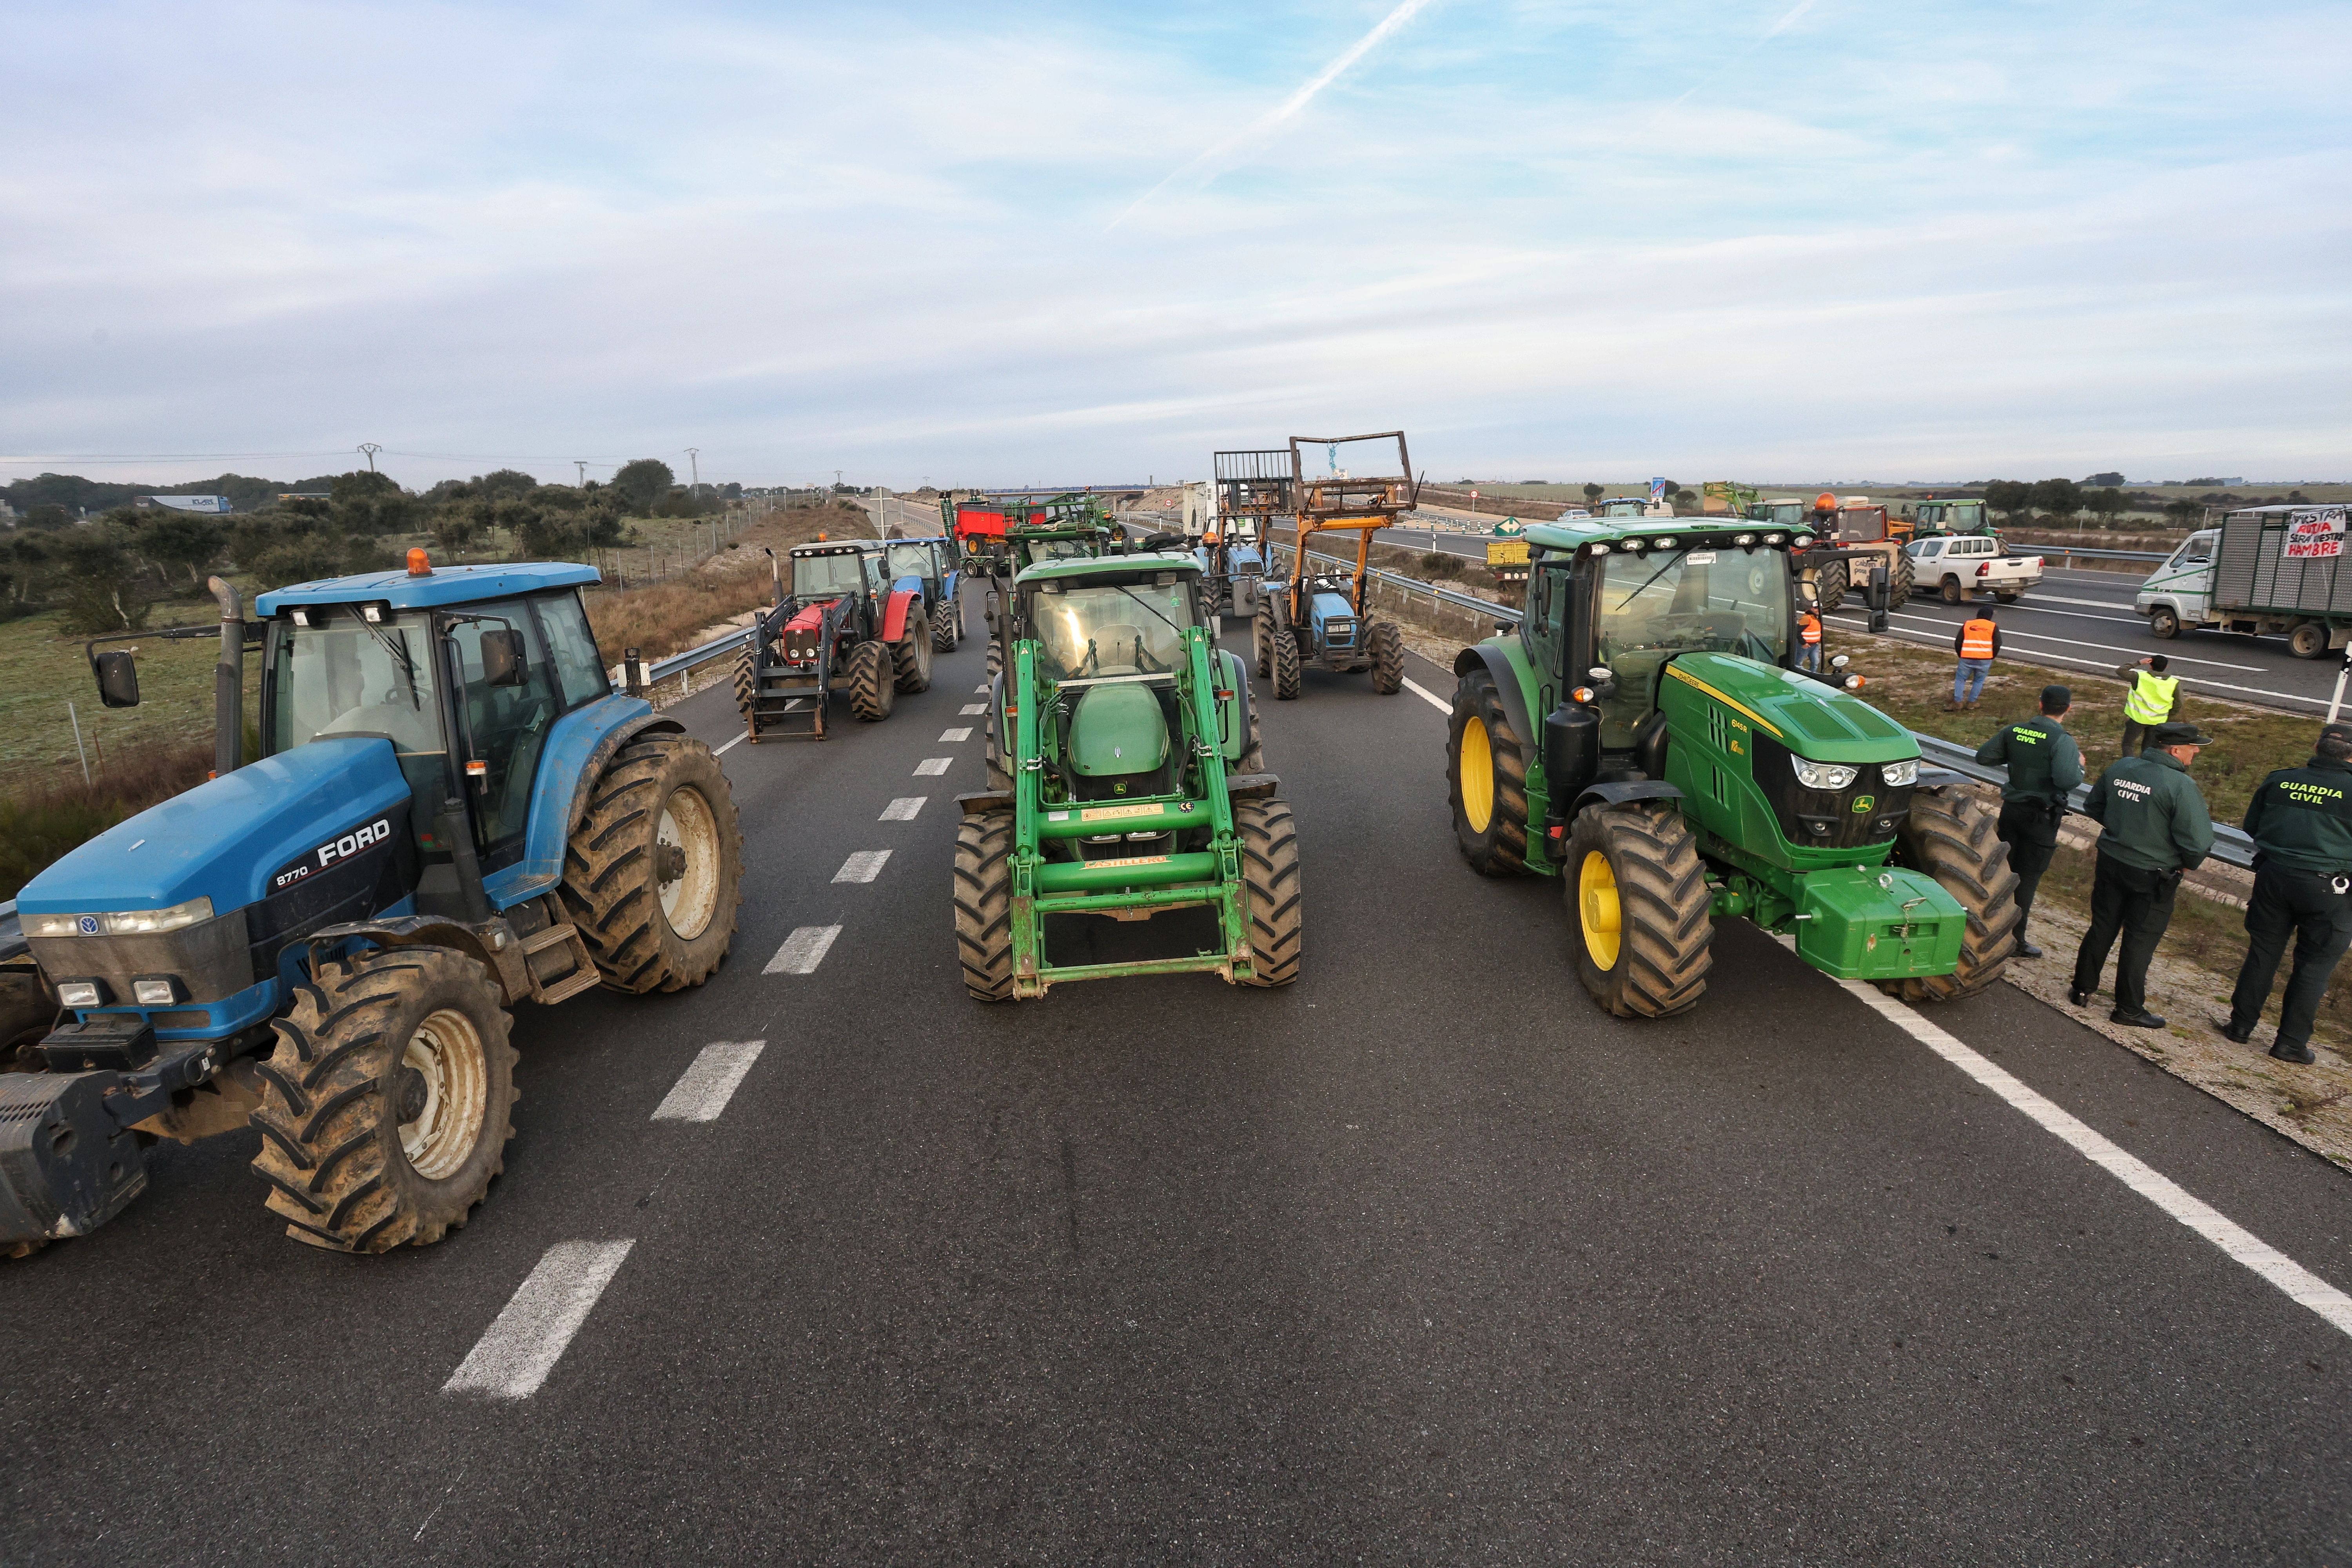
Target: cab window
x,y
572,646
504,727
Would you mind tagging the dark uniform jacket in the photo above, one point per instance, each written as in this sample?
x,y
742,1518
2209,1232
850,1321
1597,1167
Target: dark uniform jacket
x,y
2302,817
2153,814
2045,765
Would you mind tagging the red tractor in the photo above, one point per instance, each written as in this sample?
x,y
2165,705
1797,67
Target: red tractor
x,y
844,622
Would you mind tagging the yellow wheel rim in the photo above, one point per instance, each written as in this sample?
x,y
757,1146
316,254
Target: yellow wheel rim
x,y
1477,762
1596,908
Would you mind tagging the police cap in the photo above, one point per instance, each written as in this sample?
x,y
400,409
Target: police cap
x,y
2181,734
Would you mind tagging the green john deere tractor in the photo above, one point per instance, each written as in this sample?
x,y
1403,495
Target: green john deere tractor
x,y
1643,737
1136,787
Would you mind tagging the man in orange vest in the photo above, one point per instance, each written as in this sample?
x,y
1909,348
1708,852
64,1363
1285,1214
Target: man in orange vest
x,y
1809,640
1978,645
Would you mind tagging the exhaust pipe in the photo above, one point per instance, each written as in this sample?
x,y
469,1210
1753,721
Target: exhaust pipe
x,y
228,682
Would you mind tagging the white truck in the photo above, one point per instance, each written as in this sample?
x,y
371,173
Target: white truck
x,y
1959,566
2267,569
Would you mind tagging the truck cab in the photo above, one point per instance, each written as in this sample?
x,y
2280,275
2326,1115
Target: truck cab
x,y
2180,591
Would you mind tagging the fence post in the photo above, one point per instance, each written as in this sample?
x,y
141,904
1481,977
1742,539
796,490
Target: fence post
x,y
634,671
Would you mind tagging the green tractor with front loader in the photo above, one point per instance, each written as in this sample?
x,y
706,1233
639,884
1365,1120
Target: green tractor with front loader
x,y
1136,789
1643,736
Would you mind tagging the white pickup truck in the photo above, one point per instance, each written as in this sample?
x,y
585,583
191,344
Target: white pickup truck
x,y
1959,566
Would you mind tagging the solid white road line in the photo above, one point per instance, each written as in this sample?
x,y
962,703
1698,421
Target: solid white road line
x,y
514,1356
2030,600
949,736
903,809
930,767
732,744
2095,664
803,951
969,708
710,1082
1418,689
2300,1283
862,866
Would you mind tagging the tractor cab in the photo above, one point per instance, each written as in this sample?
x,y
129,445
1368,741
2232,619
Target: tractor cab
x,y
1780,511
1929,517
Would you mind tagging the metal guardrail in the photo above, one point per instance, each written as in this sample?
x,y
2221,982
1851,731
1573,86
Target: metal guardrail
x,y
2047,551
677,664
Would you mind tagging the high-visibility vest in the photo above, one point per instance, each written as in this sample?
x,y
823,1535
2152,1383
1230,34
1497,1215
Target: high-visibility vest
x,y
1812,627
2149,700
1976,639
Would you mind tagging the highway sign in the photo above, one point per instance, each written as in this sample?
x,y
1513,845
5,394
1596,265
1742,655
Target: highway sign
x,y
1509,528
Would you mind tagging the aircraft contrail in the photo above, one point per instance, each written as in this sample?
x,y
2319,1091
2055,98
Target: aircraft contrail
x,y
1290,107
1774,31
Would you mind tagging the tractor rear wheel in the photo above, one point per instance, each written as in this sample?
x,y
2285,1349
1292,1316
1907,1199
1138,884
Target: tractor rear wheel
x,y
1899,582
1285,666
943,627
1829,584
1262,639
1486,779
747,680
910,655
1638,905
386,1105
1387,659
1949,835
983,904
995,658
653,873
871,674
1269,842
958,600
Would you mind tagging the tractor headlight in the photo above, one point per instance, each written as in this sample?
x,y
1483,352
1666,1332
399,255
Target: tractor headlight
x,y
1823,775
147,922
82,992
1897,774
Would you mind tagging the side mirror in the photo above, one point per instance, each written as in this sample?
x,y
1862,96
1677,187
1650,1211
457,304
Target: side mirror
x,y
118,677
1840,662
502,659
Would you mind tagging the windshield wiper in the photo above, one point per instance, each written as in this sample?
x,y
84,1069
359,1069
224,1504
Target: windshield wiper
x,y
1652,577
400,652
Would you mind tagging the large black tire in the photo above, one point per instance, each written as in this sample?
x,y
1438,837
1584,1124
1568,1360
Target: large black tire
x,y
1950,590
1261,637
1949,835
386,1106
26,1013
2308,640
993,755
1253,755
1285,666
1269,841
983,904
943,627
1486,779
747,681
653,873
1387,659
1899,582
1638,911
872,681
1829,584
910,655
995,658
957,599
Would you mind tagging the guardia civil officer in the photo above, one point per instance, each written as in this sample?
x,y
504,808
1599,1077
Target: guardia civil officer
x,y
2156,826
2045,765
2301,823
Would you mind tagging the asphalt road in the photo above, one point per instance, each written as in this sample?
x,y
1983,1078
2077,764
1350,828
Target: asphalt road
x,y
1457,1269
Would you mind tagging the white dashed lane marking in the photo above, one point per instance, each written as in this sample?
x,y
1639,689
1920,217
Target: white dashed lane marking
x,y
979,691
2301,1284
803,951
514,1356
951,735
1418,689
903,809
710,1082
732,744
862,866
930,767
969,708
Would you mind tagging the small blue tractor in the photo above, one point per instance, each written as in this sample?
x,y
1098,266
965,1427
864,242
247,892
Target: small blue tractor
x,y
453,813
936,563
1323,618
847,619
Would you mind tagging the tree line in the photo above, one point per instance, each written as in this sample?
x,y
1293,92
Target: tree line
x,y
106,573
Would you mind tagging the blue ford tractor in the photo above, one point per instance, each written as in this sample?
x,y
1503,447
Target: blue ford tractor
x,y
453,813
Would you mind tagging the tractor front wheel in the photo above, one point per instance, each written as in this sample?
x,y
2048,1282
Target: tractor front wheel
x,y
943,627
386,1105
1949,835
747,680
1261,637
1486,779
912,656
1387,659
1639,905
1269,841
983,904
653,873
1900,582
871,676
995,658
1285,666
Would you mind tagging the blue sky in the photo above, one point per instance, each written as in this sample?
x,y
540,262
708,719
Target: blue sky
x,y
1795,240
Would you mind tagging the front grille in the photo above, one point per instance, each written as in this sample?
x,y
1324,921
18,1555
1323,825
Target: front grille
x,y
1826,819
1339,632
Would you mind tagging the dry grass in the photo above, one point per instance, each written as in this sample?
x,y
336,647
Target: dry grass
x,y
40,825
